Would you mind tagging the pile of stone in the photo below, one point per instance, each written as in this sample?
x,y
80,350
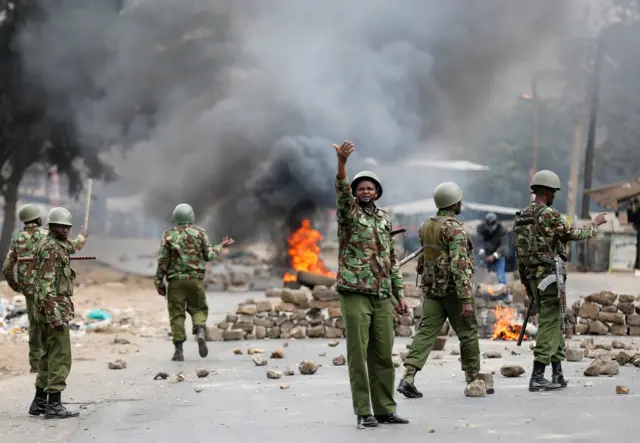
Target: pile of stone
x,y
605,313
302,313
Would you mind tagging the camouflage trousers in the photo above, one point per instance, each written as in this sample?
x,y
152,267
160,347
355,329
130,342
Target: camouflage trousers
x,y
370,334
55,363
549,341
186,296
435,311
35,349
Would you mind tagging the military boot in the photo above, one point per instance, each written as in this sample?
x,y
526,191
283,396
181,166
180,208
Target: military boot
x,y
472,376
178,355
39,403
55,408
366,421
201,337
538,382
557,376
409,390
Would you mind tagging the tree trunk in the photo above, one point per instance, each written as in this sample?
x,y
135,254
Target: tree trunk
x,y
9,223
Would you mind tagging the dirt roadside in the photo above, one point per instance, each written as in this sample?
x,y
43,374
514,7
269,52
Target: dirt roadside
x,y
139,316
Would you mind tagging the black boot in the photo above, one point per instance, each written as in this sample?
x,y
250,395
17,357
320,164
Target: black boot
x,y
201,336
55,409
178,355
538,382
408,390
392,419
366,421
557,376
39,403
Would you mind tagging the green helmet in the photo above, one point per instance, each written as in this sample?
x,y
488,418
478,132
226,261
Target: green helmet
x,y
59,216
29,212
447,194
369,176
183,214
546,179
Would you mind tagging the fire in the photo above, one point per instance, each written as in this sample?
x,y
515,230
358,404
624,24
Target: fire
x,y
305,252
504,327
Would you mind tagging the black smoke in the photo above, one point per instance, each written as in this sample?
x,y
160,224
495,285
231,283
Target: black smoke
x,y
233,106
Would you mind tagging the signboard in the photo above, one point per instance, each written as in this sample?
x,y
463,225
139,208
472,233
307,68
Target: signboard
x,y
622,253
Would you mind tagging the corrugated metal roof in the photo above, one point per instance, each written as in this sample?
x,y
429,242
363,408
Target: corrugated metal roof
x,y
616,195
448,165
428,205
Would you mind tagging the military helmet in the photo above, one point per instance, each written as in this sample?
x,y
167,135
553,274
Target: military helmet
x,y
183,214
59,216
368,175
29,212
546,179
447,194
491,219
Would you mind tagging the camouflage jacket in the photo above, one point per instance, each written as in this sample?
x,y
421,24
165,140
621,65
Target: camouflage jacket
x,y
183,251
55,282
446,268
21,276
540,232
367,261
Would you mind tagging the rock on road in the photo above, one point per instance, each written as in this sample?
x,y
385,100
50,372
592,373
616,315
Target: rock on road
x,y
237,402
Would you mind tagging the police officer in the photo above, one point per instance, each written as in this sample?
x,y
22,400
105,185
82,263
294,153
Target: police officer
x,y
540,235
54,309
21,275
183,251
368,276
446,268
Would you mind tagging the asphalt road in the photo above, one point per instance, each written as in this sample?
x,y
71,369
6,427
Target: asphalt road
x,y
238,403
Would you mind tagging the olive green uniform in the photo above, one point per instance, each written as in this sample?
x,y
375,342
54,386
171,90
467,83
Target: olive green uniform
x,y
446,269
368,276
540,234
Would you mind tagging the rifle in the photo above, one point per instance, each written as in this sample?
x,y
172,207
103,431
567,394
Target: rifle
x,y
527,314
400,230
558,279
410,257
78,257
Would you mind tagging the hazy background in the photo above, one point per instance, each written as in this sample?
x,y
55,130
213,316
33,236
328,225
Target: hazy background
x,y
233,106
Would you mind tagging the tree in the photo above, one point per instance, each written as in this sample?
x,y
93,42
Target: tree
x,y
28,132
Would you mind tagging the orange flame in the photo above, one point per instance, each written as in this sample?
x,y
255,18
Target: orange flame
x,y
305,252
504,328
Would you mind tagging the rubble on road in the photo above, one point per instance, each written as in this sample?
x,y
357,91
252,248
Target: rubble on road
x,y
605,313
161,376
117,364
302,313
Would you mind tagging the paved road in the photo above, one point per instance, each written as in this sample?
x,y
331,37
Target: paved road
x,y
238,402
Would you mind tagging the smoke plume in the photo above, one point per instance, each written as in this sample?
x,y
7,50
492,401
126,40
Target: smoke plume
x,y
233,106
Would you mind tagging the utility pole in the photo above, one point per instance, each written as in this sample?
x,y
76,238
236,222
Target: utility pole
x,y
591,135
574,170
534,127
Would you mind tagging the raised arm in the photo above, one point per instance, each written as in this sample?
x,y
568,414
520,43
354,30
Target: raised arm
x,y
553,225
345,203
211,252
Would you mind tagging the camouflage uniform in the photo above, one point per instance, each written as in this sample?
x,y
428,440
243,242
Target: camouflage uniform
x,y
21,276
53,290
446,269
535,252
368,275
183,251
